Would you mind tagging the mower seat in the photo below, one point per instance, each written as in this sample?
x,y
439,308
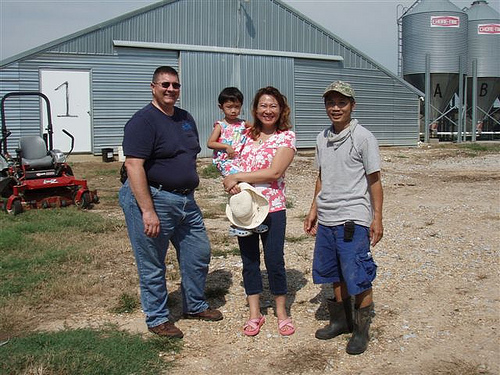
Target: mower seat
x,y
34,153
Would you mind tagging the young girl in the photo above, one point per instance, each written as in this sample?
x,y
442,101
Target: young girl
x,y
227,140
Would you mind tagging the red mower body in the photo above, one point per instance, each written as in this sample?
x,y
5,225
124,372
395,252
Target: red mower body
x,y
39,177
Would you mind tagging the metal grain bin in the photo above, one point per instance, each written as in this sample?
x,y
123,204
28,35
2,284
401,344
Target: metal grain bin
x,y
437,28
484,47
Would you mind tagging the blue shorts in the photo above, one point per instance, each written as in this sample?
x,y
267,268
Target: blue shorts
x,y
336,260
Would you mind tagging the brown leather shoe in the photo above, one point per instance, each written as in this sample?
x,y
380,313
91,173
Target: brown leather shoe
x,y
209,314
167,329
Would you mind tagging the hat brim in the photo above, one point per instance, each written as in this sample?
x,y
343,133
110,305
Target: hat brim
x,y
340,92
259,216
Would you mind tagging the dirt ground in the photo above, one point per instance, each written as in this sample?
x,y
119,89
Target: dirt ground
x,y
436,292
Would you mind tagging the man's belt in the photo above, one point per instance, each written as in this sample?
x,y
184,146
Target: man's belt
x,y
175,191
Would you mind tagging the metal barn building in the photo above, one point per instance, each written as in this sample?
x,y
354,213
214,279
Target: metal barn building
x,y
97,78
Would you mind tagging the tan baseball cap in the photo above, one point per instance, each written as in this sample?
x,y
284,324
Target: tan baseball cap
x,y
341,87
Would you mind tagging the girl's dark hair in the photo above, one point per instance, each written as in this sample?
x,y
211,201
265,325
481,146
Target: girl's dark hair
x,y
230,94
284,119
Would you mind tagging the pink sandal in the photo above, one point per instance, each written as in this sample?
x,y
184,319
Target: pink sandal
x,y
254,325
285,327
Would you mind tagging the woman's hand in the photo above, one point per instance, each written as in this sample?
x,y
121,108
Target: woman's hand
x,y
231,184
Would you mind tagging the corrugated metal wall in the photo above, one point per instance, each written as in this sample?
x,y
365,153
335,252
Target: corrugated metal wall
x,y
204,75
119,87
120,76
383,105
223,23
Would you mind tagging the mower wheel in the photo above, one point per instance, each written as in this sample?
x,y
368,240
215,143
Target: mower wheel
x,y
85,201
16,208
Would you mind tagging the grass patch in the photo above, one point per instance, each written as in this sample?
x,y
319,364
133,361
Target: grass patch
x,y
234,251
210,171
289,203
108,172
86,351
295,239
212,209
480,147
34,245
218,252
43,255
109,198
127,303
212,214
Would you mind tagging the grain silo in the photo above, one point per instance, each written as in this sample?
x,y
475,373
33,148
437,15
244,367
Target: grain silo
x,y
438,29
483,47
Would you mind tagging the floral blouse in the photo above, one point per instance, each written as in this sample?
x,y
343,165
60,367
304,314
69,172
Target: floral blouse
x,y
233,135
255,156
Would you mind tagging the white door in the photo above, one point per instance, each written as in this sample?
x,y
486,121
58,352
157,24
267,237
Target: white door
x,y
69,95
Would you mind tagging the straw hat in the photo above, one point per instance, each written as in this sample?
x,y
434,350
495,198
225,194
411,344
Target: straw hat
x,y
247,209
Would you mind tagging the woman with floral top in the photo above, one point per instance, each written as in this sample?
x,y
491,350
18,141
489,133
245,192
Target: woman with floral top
x,y
268,151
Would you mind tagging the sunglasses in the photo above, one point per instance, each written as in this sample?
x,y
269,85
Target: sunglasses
x,y
166,85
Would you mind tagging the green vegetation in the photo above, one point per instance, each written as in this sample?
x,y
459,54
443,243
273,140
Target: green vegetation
x,y
218,252
127,303
212,213
472,149
210,171
108,172
86,351
294,239
46,256
35,245
480,147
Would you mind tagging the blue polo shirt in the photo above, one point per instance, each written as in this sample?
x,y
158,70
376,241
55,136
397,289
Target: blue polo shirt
x,y
169,144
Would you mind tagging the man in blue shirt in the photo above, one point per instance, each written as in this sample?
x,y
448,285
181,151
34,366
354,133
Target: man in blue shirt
x,y
161,144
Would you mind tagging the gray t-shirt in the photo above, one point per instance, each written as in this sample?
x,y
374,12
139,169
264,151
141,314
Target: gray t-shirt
x,y
345,160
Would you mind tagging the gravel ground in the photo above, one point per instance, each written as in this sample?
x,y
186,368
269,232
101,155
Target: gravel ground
x,y
436,293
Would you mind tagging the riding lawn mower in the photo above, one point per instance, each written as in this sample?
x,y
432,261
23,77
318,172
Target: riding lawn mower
x,y
38,176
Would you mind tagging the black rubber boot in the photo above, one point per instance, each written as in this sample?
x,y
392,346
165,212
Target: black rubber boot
x,y
340,319
360,336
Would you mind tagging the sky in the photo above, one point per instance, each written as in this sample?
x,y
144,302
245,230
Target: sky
x,y
368,25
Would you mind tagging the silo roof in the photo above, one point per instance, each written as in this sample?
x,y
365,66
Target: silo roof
x,y
434,6
480,10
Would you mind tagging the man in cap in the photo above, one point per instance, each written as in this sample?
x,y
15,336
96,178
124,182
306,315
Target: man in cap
x,y
346,217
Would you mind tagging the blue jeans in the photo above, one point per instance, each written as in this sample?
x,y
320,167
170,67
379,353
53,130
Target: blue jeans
x,y
273,242
182,224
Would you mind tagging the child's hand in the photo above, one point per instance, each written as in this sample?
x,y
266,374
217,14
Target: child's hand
x,y
230,152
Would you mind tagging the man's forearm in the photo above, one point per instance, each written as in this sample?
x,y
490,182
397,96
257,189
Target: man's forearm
x,y
139,184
